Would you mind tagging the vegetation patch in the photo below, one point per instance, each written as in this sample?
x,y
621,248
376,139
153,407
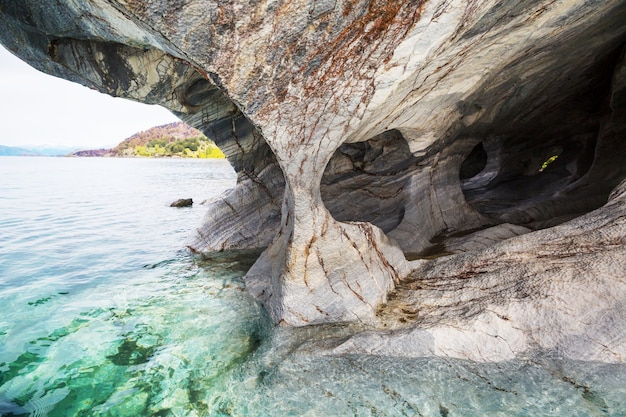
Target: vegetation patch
x,y
170,140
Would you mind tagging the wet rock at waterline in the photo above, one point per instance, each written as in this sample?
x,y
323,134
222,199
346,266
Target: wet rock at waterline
x,y
437,169
182,202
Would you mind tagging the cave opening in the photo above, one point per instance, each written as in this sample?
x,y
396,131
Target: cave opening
x,y
538,184
513,181
474,163
366,181
555,156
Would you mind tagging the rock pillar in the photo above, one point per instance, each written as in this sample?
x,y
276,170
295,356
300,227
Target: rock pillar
x,y
317,269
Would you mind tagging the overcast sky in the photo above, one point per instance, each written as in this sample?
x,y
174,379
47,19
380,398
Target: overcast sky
x,y
37,109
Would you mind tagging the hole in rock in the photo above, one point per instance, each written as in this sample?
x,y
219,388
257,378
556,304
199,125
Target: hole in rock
x,y
366,181
540,184
554,157
525,183
475,162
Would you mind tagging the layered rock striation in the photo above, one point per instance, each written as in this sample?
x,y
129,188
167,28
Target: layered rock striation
x,y
439,169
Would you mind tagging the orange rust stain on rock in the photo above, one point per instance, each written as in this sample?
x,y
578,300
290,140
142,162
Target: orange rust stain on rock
x,y
380,30
347,9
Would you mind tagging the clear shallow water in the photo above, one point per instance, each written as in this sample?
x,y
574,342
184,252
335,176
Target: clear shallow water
x,y
103,313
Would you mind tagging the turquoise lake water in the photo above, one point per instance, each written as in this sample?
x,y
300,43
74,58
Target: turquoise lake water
x,y
104,313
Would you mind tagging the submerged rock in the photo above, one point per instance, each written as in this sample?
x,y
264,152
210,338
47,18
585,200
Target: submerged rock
x,y
182,202
455,155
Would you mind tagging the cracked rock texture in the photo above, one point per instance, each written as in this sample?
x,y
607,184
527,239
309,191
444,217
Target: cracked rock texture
x,y
439,170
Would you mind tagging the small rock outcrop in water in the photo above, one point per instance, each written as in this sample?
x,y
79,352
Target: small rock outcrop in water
x,y
446,171
182,202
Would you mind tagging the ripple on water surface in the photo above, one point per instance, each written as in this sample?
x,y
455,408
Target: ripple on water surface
x,y
128,349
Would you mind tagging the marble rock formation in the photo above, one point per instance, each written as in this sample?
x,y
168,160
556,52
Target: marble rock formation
x,y
439,167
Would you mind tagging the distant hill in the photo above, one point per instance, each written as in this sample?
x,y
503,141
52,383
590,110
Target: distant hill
x,y
14,151
53,150
171,140
35,151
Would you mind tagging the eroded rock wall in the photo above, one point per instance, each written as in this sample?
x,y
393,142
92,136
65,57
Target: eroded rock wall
x,y
370,138
559,290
